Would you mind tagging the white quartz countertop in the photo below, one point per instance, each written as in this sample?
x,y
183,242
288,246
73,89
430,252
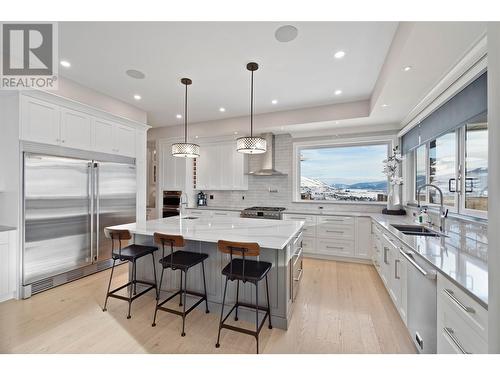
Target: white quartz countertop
x,y
462,261
272,234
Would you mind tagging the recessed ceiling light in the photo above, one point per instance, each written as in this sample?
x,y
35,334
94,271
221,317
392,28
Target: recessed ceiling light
x,y
137,74
282,128
274,101
196,136
336,122
385,105
286,33
137,97
235,133
178,116
407,68
222,109
338,92
339,54
65,63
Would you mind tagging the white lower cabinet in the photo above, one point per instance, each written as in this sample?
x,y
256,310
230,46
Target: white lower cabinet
x,y
462,323
8,264
331,236
212,213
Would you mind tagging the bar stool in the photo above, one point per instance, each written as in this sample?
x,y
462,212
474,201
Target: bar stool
x,y
242,269
129,253
183,261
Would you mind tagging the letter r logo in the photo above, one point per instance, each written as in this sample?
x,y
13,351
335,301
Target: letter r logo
x,y
27,49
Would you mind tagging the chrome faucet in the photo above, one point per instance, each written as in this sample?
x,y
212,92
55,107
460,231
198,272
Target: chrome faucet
x,y
443,214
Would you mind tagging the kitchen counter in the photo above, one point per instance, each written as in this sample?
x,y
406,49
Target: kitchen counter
x,y
453,256
276,238
272,234
4,228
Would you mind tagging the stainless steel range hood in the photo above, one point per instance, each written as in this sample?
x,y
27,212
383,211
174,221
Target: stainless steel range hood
x,y
266,160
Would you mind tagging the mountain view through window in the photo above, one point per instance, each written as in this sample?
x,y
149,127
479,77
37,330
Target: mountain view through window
x,y
347,173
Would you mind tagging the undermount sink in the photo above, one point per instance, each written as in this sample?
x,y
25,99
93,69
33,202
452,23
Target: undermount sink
x,y
416,230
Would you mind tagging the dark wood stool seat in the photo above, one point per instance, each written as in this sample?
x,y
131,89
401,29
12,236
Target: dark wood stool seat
x,y
183,261
242,269
129,253
133,252
246,270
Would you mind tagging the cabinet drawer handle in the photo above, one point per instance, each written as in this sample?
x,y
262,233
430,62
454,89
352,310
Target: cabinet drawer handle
x,y
335,231
298,218
335,247
385,255
396,269
451,334
450,294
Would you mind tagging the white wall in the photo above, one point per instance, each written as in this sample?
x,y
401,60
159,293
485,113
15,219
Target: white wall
x,y
73,90
494,186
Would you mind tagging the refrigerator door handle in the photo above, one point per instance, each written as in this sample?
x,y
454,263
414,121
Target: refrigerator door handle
x,y
91,199
97,211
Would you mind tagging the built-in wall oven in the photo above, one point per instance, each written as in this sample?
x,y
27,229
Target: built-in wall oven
x,y
171,203
296,269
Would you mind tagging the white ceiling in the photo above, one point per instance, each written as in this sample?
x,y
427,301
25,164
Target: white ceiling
x,y
301,73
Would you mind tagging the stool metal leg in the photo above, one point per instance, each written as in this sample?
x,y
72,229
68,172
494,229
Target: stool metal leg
x,y
184,306
205,287
237,299
135,279
257,315
109,286
221,314
268,304
158,300
180,296
156,281
131,290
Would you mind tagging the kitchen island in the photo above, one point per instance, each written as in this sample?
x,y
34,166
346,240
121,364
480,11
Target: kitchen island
x,y
280,243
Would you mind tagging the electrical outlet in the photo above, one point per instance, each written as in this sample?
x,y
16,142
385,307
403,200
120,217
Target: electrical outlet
x,y
211,196
273,190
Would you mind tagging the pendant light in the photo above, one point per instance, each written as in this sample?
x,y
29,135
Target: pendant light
x,y
186,150
251,145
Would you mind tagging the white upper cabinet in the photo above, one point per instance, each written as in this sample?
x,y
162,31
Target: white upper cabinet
x,y
40,121
221,167
76,129
124,140
49,123
103,136
173,170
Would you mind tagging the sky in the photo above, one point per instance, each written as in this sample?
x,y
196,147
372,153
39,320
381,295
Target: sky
x,y
345,165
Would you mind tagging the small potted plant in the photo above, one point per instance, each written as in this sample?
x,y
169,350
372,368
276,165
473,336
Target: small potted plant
x,y
392,169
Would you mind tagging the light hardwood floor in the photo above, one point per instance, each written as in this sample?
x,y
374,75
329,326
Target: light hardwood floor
x,y
341,308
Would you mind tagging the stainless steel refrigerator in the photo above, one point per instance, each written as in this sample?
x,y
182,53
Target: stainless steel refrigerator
x,y
67,204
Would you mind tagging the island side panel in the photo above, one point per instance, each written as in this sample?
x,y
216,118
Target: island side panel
x,y
278,279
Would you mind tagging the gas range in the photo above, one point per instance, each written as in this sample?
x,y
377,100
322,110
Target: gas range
x,y
275,213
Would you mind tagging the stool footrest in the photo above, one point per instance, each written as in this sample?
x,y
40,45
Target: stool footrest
x,y
177,312
243,330
131,283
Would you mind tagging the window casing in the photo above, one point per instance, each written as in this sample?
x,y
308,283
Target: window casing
x,y
457,162
304,164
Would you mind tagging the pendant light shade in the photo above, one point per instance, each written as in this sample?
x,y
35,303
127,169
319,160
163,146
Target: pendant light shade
x,y
251,145
185,149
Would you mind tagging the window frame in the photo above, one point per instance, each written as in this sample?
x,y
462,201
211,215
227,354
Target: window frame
x,y
389,140
460,154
